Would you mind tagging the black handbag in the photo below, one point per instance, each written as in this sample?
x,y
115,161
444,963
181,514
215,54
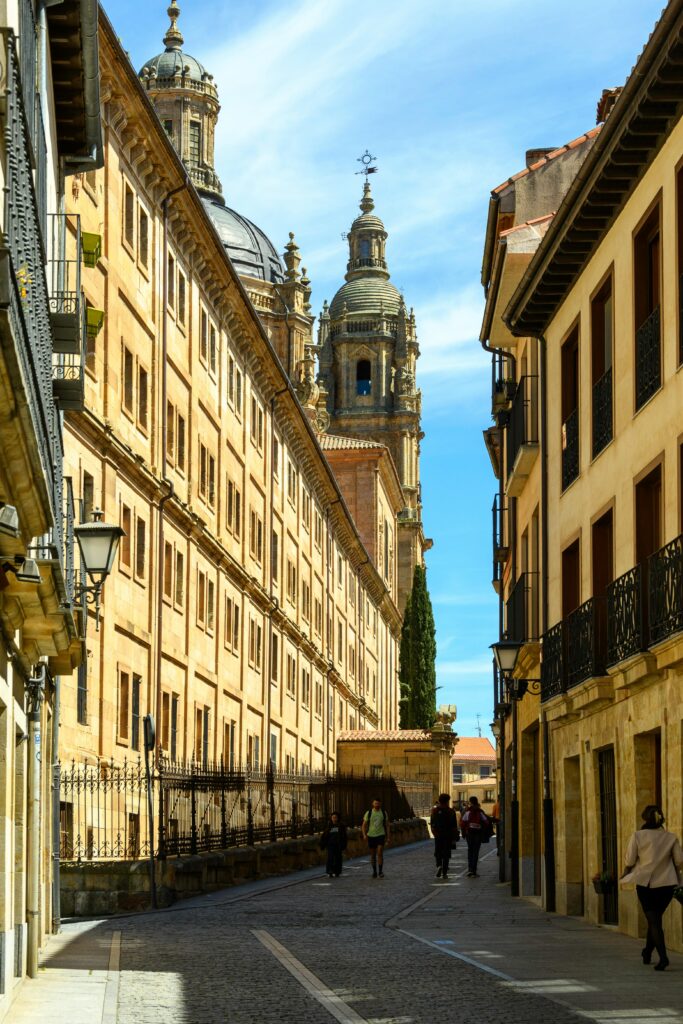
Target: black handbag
x,y
678,893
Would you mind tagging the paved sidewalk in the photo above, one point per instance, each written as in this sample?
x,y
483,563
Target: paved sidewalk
x,y
595,971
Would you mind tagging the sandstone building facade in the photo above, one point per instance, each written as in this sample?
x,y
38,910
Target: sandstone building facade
x,y
254,609
602,295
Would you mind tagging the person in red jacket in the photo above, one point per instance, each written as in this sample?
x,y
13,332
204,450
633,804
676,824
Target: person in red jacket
x,y
474,824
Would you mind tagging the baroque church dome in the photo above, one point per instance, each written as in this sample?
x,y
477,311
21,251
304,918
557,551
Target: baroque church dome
x,y
175,72
366,295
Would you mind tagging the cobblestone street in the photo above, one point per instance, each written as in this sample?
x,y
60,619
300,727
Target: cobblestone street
x,y
403,950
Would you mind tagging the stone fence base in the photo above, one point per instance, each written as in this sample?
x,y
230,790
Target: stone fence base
x,y
93,888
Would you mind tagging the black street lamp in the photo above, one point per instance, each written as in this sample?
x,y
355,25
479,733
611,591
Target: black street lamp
x,y
506,653
98,543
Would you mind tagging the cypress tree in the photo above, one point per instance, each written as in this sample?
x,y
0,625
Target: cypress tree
x,y
417,661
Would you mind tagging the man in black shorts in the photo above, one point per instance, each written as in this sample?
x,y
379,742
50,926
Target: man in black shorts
x,y
376,831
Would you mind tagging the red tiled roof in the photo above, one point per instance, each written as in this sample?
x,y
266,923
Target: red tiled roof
x,y
372,735
333,443
549,156
474,748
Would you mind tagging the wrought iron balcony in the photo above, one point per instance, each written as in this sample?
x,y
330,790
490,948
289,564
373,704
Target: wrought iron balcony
x,y
553,662
521,609
570,449
586,641
602,412
665,591
64,272
522,430
501,549
625,626
648,358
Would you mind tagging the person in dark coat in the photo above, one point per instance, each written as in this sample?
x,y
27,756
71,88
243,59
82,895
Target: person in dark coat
x,y
444,826
334,841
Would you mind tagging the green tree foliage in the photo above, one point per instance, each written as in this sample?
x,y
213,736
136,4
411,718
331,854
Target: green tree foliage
x,y
417,665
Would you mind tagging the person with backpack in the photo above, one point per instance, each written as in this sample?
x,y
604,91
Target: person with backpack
x,y
375,829
334,841
444,826
475,827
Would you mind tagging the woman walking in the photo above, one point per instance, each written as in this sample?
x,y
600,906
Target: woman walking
x,y
334,841
654,862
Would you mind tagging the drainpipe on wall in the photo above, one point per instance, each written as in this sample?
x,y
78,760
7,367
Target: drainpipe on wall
x,y
35,692
274,601
164,434
548,814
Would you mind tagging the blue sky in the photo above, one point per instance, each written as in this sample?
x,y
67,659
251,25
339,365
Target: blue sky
x,y
448,94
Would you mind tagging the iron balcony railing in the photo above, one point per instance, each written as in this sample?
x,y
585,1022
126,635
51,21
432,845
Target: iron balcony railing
x,y
586,641
570,449
64,273
523,423
28,63
553,662
521,609
665,610
23,284
500,539
602,412
625,616
648,358
503,384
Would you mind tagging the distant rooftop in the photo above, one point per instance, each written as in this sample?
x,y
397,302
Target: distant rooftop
x,y
373,735
474,748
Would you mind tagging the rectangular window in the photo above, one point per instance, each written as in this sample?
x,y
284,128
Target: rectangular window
x,y
352,660
291,582
125,542
181,443
143,238
198,731
276,458
203,469
291,482
181,297
168,570
330,711
306,601
168,127
305,508
205,736
238,392
234,509
165,719
318,698
213,349
458,773
570,408
201,597
318,616
142,397
128,215
210,604
195,143
170,282
212,481
256,423
140,547
135,713
229,606
128,383
340,642
275,557
203,335
274,658
255,638
231,380
305,687
124,704
601,366
318,531
229,735
291,675
173,749
340,571
88,496
255,536
647,287
179,578
170,432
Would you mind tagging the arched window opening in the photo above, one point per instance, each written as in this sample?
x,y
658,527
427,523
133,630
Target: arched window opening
x,y
365,248
363,377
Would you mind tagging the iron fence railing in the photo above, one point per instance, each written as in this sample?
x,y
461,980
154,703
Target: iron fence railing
x,y
523,422
648,358
602,412
28,62
202,807
500,539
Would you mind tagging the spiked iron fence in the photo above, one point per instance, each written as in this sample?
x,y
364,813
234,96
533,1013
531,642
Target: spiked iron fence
x,y
201,807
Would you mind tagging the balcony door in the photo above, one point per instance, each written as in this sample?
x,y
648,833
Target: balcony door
x,y
571,579
603,554
570,408
649,515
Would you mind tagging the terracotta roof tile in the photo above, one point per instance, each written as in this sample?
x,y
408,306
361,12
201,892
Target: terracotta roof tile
x,y
474,748
550,156
373,735
333,443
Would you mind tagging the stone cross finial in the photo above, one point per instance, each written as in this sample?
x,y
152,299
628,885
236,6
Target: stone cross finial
x,y
173,39
292,258
367,203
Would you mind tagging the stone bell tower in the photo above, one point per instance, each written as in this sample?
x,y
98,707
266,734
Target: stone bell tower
x,y
368,354
186,102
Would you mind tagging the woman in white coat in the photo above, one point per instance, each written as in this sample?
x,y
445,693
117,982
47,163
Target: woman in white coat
x,y
654,862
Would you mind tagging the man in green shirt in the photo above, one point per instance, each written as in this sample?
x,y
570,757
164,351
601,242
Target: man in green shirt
x,y
376,831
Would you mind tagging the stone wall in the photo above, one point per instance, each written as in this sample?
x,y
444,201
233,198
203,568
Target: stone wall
x,y
92,889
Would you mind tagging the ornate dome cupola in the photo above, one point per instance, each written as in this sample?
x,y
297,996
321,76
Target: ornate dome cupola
x,y
186,101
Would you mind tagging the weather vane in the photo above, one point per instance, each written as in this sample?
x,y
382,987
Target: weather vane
x,y
367,161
